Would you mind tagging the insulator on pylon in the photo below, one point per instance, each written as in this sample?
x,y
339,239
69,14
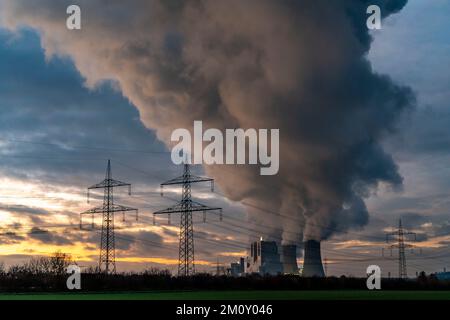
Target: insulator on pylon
x,y
92,221
88,195
154,219
137,215
123,216
162,191
168,219
212,185
204,216
221,214
129,190
81,221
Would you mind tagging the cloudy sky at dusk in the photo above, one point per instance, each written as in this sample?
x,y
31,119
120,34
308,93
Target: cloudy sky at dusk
x,y
62,116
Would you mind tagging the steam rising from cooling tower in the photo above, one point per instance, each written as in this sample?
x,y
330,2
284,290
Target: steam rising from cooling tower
x,y
299,66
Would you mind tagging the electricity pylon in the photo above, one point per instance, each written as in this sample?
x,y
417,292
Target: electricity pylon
x,y
186,260
400,235
107,260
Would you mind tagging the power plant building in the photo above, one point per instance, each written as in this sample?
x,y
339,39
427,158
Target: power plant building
x,y
264,258
237,268
267,258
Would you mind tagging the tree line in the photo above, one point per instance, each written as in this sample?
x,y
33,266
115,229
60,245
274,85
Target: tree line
x,y
49,274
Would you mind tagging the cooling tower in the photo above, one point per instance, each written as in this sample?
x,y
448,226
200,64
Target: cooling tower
x,y
312,265
289,258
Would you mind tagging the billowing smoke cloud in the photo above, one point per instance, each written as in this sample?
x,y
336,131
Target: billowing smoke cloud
x,y
295,65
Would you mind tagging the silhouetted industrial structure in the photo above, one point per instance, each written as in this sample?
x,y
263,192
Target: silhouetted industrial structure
x,y
220,269
237,269
400,235
107,260
289,258
312,265
264,258
186,260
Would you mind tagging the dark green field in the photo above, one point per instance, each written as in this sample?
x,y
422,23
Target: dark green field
x,y
239,295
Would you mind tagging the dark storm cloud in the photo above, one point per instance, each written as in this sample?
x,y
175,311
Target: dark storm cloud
x,y
305,72
10,237
416,52
425,133
426,226
399,204
412,219
170,233
432,225
442,227
46,102
142,241
22,210
35,214
48,237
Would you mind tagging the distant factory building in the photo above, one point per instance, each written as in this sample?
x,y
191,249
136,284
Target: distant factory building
x,y
264,258
237,269
443,276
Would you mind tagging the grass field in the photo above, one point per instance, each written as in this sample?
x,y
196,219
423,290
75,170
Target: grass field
x,y
239,295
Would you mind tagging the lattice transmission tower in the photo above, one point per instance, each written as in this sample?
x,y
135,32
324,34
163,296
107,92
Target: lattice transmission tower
x,y
186,260
399,236
107,259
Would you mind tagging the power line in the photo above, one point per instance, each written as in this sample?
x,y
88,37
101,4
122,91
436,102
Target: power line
x,y
69,146
279,214
293,219
302,223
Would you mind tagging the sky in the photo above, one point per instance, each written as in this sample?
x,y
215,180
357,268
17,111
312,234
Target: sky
x,y
57,131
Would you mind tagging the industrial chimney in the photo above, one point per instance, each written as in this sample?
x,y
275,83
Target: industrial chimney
x,y
289,259
312,266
